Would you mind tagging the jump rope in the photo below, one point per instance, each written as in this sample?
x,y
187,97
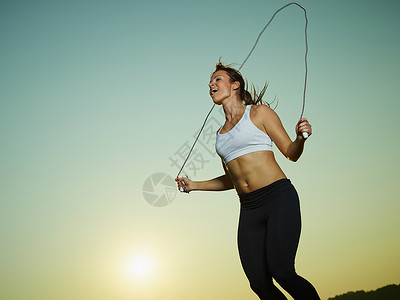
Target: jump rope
x,y
182,188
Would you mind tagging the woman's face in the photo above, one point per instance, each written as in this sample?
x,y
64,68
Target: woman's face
x,y
220,86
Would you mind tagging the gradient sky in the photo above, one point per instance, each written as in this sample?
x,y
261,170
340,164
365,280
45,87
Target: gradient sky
x,y
96,96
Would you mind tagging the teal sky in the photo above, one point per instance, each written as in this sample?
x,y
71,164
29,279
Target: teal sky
x,y
96,96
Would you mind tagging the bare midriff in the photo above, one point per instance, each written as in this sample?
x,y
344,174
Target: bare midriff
x,y
255,170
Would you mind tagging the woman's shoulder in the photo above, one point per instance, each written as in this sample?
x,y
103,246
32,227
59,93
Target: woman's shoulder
x,y
261,110
265,116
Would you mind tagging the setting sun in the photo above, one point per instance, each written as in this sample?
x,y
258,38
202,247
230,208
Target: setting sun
x,y
140,266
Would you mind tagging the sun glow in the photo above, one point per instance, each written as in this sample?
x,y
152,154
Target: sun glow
x,y
140,266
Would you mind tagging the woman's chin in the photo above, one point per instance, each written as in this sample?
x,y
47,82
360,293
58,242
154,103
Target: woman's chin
x,y
216,101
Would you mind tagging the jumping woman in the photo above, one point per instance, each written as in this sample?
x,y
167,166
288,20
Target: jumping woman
x,y
270,222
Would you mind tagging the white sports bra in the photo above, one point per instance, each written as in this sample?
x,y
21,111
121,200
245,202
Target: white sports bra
x,y
243,138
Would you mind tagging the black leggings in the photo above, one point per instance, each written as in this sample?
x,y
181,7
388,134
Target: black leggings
x,y
268,236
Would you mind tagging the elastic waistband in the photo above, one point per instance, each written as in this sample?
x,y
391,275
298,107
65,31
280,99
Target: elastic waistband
x,y
265,194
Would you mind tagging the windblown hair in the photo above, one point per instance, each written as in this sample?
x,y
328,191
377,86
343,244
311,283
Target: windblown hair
x,y
245,96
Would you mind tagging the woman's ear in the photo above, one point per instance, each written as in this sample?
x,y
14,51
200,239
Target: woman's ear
x,y
236,85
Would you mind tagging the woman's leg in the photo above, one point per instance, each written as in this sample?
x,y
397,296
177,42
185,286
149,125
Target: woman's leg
x,y
252,234
283,235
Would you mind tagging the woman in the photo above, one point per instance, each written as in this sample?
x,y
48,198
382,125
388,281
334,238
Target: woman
x,y
269,223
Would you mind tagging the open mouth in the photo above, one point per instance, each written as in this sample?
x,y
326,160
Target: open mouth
x,y
213,91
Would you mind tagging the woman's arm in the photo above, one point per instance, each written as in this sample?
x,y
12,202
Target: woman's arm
x,y
274,128
220,183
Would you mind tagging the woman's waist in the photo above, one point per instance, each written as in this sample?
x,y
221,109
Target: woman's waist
x,y
248,185
265,194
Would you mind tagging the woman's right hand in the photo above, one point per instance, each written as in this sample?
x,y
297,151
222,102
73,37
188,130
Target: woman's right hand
x,y
185,183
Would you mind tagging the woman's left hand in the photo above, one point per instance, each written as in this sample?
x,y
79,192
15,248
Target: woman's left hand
x,y
303,126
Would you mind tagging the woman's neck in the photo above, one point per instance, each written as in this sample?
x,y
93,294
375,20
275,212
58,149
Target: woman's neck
x,y
233,108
